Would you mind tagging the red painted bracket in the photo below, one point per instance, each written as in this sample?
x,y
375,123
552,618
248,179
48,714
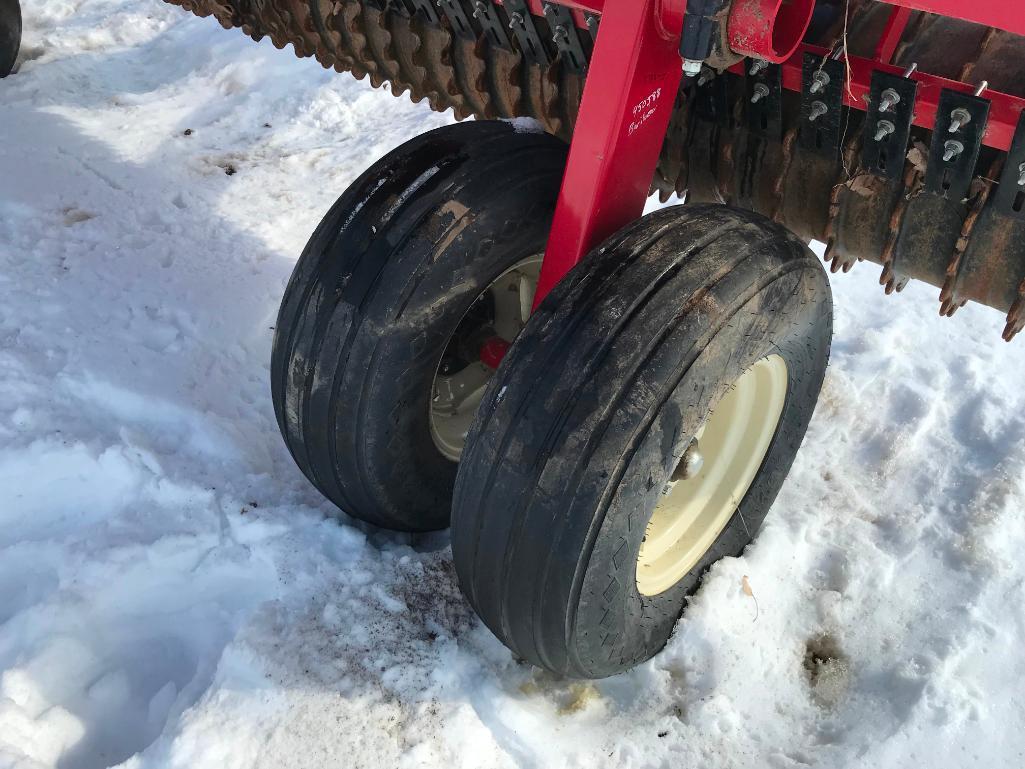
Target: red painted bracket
x,y
768,29
628,98
892,33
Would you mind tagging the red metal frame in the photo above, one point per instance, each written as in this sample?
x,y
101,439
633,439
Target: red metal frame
x,y
890,38
628,98
768,29
631,89
579,8
1003,14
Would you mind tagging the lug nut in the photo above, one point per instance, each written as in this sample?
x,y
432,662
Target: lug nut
x,y
690,463
951,149
819,80
1021,175
515,20
883,129
760,92
888,100
818,109
959,118
757,66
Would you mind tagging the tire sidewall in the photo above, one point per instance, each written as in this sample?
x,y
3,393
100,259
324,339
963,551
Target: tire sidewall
x,y
614,626
10,35
406,350
378,293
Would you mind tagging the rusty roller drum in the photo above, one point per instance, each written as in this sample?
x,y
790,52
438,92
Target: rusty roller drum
x,y
499,61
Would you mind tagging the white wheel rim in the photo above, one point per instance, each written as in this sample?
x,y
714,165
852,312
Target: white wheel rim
x,y
456,397
733,442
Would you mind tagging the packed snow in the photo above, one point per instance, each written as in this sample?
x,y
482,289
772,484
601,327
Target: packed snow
x,y
173,593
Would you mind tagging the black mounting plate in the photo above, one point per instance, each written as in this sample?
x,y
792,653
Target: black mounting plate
x,y
823,135
765,116
951,179
565,37
453,11
1010,195
486,14
426,8
886,157
522,25
714,100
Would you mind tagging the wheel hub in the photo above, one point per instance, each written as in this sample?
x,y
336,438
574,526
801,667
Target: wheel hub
x,y
713,476
475,350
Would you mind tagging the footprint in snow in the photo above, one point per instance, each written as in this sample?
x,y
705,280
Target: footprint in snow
x,y
828,670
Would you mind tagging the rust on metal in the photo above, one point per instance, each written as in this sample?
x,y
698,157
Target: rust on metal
x,y
950,298
431,57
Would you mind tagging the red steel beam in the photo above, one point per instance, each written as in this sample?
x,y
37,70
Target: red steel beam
x,y
1008,15
628,98
1002,14
892,33
588,6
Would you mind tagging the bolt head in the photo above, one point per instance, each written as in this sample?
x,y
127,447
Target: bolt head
x,y
690,463
888,99
691,67
958,118
883,129
951,149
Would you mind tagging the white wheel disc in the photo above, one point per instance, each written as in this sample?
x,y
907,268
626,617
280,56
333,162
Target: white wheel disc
x,y
694,510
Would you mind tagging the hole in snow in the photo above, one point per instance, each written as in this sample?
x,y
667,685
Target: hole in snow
x,y
827,668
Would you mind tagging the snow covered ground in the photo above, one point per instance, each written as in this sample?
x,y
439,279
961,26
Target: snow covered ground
x,y
174,594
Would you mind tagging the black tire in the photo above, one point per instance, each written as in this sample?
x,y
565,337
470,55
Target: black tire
x,y
10,35
588,413
375,297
